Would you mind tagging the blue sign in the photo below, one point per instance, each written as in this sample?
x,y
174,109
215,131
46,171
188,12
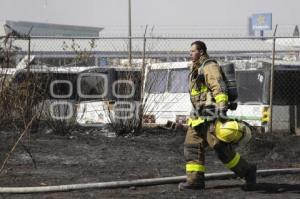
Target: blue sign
x,y
262,21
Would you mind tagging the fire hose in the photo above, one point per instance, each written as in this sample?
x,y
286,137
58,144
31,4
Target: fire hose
x,y
139,182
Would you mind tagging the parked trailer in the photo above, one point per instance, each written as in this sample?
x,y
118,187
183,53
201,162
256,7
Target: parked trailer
x,y
120,93
85,94
169,100
166,93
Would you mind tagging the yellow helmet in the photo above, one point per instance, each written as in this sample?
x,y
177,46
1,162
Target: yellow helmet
x,y
233,132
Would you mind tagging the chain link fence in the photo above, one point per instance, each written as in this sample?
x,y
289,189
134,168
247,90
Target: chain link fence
x,y
266,72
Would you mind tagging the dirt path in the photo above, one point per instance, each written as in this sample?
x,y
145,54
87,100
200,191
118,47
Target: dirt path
x,y
91,157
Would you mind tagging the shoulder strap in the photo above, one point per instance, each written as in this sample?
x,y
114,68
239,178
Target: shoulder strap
x,y
204,63
207,61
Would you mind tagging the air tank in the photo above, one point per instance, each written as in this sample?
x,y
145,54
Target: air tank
x,y
228,71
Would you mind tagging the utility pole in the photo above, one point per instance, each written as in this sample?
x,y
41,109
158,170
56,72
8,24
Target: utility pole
x,y
129,33
272,82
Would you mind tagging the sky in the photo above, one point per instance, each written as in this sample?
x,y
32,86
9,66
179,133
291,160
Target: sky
x,y
164,15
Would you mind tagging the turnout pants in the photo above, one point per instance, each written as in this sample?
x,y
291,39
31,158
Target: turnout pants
x,y
197,139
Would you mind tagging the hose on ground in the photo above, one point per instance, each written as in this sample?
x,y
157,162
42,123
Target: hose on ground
x,y
139,182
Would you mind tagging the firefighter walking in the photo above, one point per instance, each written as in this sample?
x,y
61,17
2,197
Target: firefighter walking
x,y
207,126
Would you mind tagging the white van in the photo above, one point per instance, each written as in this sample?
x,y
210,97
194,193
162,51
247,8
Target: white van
x,y
166,96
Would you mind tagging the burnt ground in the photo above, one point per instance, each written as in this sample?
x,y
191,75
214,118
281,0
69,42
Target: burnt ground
x,y
90,156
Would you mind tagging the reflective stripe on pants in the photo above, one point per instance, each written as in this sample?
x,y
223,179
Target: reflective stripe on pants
x,y
235,160
190,167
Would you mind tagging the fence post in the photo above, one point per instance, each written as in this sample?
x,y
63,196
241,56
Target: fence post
x,y
28,113
129,34
141,107
272,82
144,63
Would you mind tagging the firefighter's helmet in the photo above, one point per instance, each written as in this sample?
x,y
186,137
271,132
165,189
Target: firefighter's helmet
x,y
233,132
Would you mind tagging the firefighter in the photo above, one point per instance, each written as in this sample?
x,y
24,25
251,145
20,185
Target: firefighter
x,y
208,125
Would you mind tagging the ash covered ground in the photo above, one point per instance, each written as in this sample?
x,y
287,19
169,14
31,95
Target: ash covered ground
x,y
90,156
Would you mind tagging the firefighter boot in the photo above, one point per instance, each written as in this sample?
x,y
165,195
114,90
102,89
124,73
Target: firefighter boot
x,y
247,171
250,178
195,181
